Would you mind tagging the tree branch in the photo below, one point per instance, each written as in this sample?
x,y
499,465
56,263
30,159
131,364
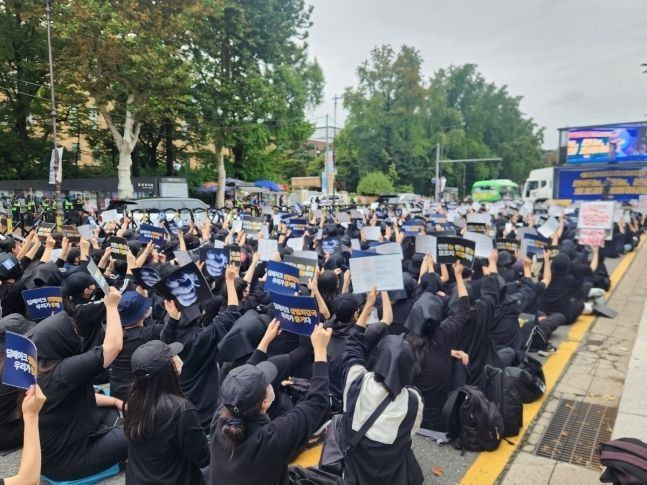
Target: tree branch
x,y
113,129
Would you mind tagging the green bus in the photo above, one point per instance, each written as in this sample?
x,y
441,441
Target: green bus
x,y
495,190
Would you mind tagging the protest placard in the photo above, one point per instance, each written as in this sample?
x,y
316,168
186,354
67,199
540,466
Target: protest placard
x,y
306,267
98,277
186,286
44,230
85,231
534,245
156,234
372,233
42,302
413,227
296,314
110,216
282,278
510,245
146,277
267,248
119,248
237,226
449,249
390,248
71,233
483,244
426,244
381,271
330,245
252,225
355,244
182,257
215,260
596,215
548,228
591,237
21,359
296,243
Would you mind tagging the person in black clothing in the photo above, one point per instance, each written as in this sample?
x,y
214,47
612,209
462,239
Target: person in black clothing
x,y
134,308
11,426
166,443
433,341
247,448
346,310
12,285
79,434
383,455
556,298
199,379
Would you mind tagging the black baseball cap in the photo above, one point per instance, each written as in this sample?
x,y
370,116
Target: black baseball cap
x,y
344,307
152,357
244,387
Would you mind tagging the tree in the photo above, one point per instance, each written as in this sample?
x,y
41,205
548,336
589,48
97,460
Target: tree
x,y
374,183
128,58
253,83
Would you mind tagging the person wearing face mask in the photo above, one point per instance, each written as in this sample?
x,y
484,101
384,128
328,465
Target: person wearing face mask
x,y
134,308
166,443
247,448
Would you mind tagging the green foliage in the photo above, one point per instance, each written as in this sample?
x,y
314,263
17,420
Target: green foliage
x,y
396,119
374,183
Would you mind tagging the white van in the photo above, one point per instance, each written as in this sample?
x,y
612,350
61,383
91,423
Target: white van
x,y
539,185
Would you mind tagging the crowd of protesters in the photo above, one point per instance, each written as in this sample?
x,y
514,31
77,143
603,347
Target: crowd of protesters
x,y
217,393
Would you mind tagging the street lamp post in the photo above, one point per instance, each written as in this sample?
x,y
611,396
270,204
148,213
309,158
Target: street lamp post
x,y
58,169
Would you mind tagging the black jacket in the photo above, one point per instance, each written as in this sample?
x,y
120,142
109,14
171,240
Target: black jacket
x,y
268,447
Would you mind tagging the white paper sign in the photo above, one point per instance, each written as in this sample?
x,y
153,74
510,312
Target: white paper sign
x,y
267,248
390,248
426,244
355,244
555,211
478,219
596,215
218,244
483,246
549,228
384,272
85,231
110,216
372,233
296,243
237,226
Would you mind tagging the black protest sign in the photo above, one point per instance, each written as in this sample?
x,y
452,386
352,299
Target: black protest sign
x,y
306,267
186,286
119,248
450,249
510,245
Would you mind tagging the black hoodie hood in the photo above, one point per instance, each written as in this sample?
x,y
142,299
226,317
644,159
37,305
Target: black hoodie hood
x,y
394,363
425,315
55,338
243,337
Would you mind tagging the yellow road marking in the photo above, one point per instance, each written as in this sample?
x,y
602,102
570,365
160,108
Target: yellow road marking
x,y
488,465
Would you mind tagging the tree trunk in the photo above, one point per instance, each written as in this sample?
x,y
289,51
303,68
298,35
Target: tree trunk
x,y
222,177
125,144
169,148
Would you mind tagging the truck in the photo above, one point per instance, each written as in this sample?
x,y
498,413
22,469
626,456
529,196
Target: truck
x,y
596,162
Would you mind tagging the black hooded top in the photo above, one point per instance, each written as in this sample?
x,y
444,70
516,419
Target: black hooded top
x,y
68,417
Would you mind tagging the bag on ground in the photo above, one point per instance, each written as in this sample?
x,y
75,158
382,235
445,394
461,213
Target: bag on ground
x,y
500,389
626,461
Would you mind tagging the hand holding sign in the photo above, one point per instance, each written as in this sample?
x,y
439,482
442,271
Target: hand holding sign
x,y
21,360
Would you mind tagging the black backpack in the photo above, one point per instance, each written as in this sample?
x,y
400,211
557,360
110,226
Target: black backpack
x,y
473,422
528,377
500,389
626,461
536,340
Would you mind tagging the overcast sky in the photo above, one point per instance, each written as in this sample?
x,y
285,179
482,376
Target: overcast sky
x,y
574,62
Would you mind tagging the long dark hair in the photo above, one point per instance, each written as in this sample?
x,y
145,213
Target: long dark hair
x,y
420,348
234,428
328,287
146,399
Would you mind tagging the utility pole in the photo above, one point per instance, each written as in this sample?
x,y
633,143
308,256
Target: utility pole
x,y
58,169
437,186
334,149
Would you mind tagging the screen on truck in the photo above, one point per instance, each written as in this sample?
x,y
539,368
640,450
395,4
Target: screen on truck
x,y
612,143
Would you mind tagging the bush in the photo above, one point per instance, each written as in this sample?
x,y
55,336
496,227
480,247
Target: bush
x,y
374,183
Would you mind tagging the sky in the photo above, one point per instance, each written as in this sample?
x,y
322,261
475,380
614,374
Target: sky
x,y
574,62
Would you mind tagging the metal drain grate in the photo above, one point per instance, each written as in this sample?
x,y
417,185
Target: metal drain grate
x,y
576,430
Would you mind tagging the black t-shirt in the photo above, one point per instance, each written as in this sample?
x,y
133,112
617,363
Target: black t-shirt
x,y
68,416
121,375
175,452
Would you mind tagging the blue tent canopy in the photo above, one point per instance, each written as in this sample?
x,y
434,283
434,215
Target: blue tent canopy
x,y
268,184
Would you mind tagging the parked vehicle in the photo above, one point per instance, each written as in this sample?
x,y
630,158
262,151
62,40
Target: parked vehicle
x,y
159,203
495,190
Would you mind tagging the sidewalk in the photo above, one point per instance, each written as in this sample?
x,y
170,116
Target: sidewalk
x,y
594,383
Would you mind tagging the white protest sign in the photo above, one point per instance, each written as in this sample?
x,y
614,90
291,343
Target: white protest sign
x,y
596,215
237,226
296,243
85,232
267,248
110,216
478,219
372,233
555,211
426,244
591,237
355,244
384,272
483,246
390,248
549,228
218,244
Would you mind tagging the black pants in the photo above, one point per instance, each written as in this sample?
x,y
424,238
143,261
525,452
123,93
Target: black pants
x,y
11,435
102,450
